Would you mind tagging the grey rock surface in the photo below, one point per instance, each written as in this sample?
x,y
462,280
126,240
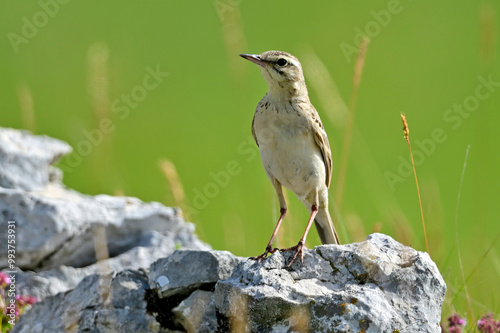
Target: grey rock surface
x,y
25,160
187,270
58,227
59,230
143,283
62,278
100,303
190,312
377,285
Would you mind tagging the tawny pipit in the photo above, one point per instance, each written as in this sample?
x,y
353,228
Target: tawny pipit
x,y
293,145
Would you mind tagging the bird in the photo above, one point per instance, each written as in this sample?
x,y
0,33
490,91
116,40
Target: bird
x,y
293,145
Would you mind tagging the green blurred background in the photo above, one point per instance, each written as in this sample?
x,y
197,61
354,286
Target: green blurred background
x,y
66,72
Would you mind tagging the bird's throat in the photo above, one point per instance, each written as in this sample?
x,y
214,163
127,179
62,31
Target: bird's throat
x,y
287,91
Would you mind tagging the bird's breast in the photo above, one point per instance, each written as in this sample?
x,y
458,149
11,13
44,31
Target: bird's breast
x,y
288,149
274,122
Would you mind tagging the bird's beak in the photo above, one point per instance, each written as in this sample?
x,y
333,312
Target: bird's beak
x,y
255,58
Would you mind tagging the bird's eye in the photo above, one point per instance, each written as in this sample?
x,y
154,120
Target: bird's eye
x,y
282,62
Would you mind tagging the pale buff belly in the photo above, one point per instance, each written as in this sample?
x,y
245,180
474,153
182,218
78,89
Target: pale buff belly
x,y
294,159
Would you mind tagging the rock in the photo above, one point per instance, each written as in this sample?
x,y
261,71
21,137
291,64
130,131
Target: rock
x,y
25,160
190,311
65,226
374,286
377,285
49,283
182,287
100,303
186,270
63,278
59,231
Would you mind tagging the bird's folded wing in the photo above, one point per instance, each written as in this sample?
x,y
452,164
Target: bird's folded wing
x,y
323,144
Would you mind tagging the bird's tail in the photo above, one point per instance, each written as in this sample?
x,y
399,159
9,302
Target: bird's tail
x,y
325,227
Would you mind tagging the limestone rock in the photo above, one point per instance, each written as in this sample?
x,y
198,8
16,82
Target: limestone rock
x,y
63,278
100,303
59,231
186,270
25,160
190,312
377,285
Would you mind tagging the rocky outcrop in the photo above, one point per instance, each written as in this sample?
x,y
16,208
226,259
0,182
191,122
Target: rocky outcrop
x,y
100,303
377,285
26,160
116,264
59,230
374,286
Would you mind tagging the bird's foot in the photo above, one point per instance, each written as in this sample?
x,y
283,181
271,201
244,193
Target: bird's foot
x,y
298,251
263,256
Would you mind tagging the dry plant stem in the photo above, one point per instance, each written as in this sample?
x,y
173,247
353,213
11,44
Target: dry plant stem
x,y
27,107
98,79
233,37
406,131
488,34
471,315
170,172
174,182
344,157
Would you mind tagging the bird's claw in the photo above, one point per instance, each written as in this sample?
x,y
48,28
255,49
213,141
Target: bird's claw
x,y
297,248
263,256
298,251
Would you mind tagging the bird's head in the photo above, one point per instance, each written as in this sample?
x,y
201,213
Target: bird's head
x,y
281,70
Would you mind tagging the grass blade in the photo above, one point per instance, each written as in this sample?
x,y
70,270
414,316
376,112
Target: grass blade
x,y
406,131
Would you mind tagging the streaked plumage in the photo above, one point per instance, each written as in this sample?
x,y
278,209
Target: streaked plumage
x,y
293,144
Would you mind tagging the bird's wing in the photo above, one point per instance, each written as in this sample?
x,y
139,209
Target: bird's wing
x,y
253,129
323,144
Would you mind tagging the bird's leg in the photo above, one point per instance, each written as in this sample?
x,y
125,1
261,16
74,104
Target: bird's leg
x,y
281,198
298,248
269,247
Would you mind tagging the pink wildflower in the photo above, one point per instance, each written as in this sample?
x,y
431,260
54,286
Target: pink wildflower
x,y
4,279
487,324
455,323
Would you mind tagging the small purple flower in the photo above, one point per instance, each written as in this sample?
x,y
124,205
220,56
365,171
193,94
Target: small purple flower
x,y
20,300
4,279
455,323
26,300
487,324
31,300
